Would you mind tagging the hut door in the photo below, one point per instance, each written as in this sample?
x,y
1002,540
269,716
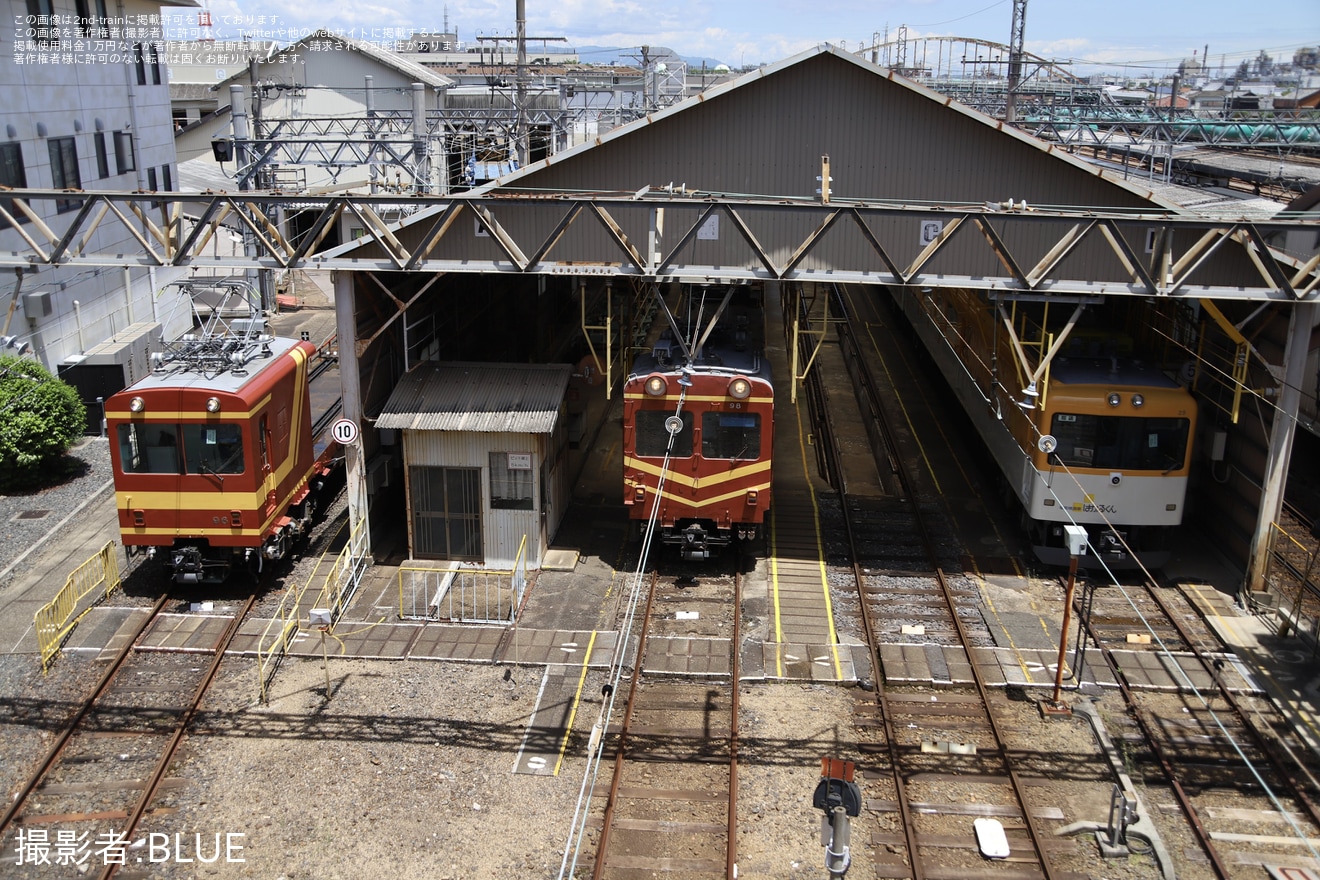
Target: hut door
x,y
446,512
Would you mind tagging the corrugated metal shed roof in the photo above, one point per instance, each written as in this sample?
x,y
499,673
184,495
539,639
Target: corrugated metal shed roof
x,y
479,398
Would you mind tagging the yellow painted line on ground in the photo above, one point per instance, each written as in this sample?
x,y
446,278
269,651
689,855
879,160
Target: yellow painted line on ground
x,y
1017,652
820,559
577,699
994,525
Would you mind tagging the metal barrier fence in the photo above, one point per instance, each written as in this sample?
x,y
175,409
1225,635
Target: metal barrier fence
x,y
337,590
1291,576
56,619
466,595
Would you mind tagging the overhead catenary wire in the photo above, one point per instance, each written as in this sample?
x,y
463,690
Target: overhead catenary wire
x,y
1166,652
596,743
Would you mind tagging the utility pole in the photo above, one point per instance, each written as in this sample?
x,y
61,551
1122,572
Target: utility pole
x,y
1016,39
520,127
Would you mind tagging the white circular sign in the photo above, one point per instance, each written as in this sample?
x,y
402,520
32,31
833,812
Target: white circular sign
x,y
344,431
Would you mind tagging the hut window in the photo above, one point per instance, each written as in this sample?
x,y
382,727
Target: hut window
x,y
511,481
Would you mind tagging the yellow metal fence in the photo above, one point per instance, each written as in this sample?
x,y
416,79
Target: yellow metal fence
x,y
337,590
1291,575
458,593
56,619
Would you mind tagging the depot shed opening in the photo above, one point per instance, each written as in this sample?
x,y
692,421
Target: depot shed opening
x,y
484,449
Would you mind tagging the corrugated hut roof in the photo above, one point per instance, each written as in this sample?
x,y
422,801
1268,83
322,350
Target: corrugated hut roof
x,y
478,398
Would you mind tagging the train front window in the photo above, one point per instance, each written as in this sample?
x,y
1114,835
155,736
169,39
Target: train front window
x,y
651,438
214,448
149,449
730,435
1126,443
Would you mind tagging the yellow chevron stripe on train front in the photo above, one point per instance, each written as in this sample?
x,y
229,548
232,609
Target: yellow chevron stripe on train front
x,y
718,499
700,480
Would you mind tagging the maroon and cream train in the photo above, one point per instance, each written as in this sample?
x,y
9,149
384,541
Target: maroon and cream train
x,y
215,466
698,435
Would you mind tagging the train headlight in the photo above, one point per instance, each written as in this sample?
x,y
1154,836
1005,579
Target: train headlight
x,y
740,388
213,404
1138,400
1115,398
656,386
137,404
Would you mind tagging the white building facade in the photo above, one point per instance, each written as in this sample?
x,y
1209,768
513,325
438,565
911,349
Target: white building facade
x,y
86,107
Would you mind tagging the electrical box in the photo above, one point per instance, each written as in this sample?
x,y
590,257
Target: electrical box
x,y
1075,536
37,305
1218,440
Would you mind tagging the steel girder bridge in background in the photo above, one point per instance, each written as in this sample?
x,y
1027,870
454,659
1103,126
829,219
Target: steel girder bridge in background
x,y
971,247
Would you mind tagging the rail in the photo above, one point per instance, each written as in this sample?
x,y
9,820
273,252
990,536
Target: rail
x,y
55,620
468,595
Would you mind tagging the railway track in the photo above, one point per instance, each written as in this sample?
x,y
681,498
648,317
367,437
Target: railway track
x,y
1202,730
676,756
101,775
1226,753
946,759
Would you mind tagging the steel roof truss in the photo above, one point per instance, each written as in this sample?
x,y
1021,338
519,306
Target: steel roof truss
x,y
683,242
557,233
875,243
501,237
1270,270
375,227
18,227
1197,254
437,231
1136,269
617,235
1307,269
752,241
933,248
810,242
1002,252
130,228
1056,254
325,221
258,233
206,228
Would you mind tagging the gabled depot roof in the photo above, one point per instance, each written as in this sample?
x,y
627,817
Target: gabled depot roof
x,y
728,93
762,135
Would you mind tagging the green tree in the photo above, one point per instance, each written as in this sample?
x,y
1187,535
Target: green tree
x,y
40,416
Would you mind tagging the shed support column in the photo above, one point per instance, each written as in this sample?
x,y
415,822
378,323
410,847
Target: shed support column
x,y
351,389
1302,321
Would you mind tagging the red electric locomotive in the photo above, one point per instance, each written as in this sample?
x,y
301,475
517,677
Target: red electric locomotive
x,y
698,433
214,460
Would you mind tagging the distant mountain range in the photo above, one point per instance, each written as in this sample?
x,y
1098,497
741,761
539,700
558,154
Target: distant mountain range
x,y
632,57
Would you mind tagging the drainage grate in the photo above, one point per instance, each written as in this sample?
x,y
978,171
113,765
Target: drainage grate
x,y
32,514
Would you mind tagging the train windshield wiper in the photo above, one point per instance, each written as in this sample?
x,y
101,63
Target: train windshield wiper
x,y
204,468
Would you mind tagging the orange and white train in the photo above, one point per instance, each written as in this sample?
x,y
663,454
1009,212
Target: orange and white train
x,y
215,466
1086,430
698,437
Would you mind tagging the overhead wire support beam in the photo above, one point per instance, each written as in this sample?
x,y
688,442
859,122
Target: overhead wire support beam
x,y
1052,251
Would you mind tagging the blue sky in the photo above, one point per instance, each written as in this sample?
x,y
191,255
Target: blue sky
x,y
1110,33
